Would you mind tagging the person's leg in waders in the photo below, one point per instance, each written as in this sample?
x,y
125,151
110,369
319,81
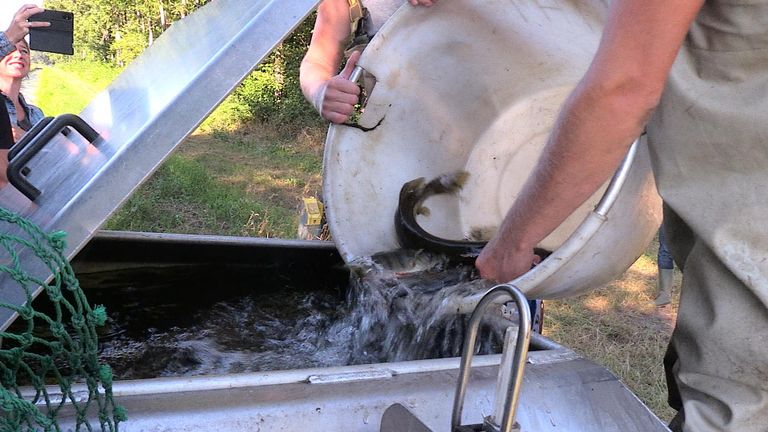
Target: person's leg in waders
x,y
666,268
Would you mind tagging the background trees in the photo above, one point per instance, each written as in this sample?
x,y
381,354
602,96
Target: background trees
x,y
115,32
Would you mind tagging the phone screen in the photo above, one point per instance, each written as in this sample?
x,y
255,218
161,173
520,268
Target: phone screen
x,y
58,38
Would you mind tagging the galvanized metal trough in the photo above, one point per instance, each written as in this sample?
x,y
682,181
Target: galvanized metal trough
x,y
561,391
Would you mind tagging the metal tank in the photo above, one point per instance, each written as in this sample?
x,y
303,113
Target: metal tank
x,y
559,390
466,84
476,85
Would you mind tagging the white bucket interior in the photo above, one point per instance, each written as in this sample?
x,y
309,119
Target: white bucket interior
x,y
464,85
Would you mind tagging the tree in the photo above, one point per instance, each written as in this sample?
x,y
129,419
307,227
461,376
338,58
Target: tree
x,y
117,31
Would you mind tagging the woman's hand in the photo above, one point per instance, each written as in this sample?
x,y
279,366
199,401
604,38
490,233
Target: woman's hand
x,y
20,25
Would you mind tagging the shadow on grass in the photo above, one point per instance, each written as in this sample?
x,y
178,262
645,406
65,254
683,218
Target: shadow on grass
x,y
247,181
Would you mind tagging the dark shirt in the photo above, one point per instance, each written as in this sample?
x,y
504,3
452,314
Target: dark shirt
x,y
6,134
32,113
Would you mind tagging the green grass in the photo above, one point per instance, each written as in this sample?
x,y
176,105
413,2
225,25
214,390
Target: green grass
x,y
231,177
69,88
219,185
184,197
247,181
618,327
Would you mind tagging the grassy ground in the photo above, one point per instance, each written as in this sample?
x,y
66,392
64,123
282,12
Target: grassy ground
x,y
69,88
619,327
248,179
245,182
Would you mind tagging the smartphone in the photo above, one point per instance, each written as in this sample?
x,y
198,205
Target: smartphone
x,y
58,38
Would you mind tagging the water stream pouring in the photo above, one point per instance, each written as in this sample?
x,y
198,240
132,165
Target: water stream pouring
x,y
397,418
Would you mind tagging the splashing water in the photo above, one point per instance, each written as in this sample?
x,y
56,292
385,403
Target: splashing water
x,y
395,310
399,303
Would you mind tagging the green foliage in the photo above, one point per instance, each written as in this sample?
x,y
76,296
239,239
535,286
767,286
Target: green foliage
x,y
127,47
115,32
261,92
272,91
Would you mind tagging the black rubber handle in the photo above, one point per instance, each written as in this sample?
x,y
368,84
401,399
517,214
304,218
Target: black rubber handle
x,y
34,141
24,141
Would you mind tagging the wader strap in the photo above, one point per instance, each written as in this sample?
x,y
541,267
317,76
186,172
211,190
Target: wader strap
x,y
358,40
358,17
356,13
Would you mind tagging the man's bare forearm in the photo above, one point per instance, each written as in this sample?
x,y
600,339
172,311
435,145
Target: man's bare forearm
x,y
590,139
326,48
580,156
604,114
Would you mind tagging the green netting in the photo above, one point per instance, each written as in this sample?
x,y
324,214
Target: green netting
x,y
49,367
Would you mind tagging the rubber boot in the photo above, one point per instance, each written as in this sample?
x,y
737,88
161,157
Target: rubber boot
x,y
665,287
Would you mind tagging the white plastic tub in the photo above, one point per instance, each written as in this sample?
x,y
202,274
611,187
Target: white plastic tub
x,y
476,85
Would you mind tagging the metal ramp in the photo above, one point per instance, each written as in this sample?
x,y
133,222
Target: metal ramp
x,y
140,118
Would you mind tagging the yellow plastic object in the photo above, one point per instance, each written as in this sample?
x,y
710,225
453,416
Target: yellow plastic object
x,y
313,211
311,220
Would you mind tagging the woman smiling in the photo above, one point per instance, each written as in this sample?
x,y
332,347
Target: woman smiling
x,y
13,69
16,114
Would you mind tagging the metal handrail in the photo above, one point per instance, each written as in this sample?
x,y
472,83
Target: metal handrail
x,y
517,362
617,181
34,141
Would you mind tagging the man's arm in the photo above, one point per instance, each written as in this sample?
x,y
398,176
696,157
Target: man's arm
x,y
600,119
332,94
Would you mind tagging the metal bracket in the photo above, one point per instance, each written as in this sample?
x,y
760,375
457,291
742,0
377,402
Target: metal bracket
x,y
511,391
398,418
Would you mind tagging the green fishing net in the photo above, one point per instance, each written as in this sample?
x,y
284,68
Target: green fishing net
x,y
50,375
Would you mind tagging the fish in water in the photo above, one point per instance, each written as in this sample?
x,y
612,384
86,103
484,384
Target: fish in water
x,y
401,306
411,235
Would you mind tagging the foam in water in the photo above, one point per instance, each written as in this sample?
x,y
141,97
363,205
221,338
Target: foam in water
x,y
394,311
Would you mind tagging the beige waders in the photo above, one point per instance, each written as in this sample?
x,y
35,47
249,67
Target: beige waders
x,y
709,144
